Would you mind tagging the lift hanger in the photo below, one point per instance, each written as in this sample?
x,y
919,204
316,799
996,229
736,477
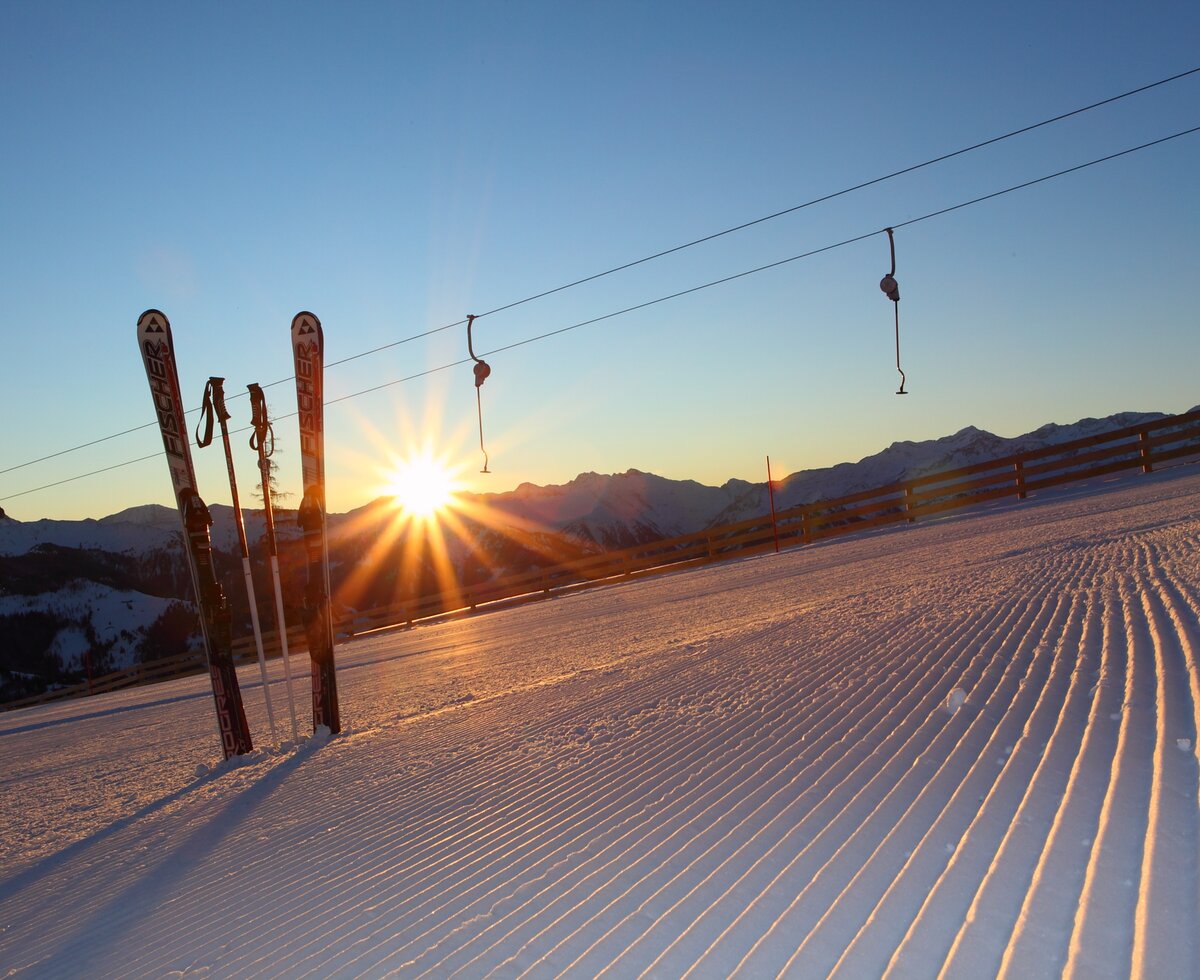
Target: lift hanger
x,y
482,370
891,289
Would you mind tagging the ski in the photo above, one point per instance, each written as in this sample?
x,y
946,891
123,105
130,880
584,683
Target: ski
x,y
158,354
308,348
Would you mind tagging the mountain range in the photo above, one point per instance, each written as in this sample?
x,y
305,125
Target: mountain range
x,y
111,592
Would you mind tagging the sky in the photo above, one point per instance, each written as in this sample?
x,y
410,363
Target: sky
x,y
393,168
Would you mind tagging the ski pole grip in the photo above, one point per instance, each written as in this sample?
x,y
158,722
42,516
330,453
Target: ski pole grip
x,y
218,396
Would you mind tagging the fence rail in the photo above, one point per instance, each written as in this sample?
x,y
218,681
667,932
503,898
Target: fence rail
x,y
1017,475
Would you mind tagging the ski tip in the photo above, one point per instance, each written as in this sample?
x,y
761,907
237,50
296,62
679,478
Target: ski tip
x,y
306,328
154,319
153,326
306,321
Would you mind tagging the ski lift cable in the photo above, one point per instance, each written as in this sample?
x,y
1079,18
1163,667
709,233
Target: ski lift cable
x,y
829,248
761,268
665,252
848,190
676,295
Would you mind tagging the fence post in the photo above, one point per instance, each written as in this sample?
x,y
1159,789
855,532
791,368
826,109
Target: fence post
x,y
771,496
908,504
1144,451
1020,468
805,526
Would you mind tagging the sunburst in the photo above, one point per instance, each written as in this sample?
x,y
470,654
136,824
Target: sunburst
x,y
422,486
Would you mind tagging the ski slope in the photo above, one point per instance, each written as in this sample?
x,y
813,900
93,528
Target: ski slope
x,y
964,747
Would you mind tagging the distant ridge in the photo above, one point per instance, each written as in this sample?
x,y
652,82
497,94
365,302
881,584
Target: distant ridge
x,y
603,510
64,582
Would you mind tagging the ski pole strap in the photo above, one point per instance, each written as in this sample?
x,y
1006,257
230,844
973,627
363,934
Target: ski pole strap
x,y
206,417
263,438
214,404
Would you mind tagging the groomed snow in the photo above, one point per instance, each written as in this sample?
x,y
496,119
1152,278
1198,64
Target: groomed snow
x,y
968,745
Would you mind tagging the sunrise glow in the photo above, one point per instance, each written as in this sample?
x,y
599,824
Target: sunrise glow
x,y
422,486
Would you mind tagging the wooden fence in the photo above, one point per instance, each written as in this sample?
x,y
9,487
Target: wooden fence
x,y
1137,447
156,670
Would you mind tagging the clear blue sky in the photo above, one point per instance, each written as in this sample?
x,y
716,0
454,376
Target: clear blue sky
x,y
393,167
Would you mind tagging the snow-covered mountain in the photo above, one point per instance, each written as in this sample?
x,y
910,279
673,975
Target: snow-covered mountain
x,y
46,566
619,510
909,460
136,531
609,511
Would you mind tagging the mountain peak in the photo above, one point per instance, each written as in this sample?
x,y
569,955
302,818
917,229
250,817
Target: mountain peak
x,y
146,515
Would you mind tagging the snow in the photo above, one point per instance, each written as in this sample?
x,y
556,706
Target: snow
x,y
70,647
598,507
961,746
113,615
135,531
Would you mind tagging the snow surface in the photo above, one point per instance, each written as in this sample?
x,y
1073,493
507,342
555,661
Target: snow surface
x,y
110,612
962,746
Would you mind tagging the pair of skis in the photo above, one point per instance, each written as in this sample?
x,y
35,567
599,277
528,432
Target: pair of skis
x,y
158,355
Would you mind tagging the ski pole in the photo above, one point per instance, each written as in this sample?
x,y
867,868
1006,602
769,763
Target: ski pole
x,y
263,441
214,405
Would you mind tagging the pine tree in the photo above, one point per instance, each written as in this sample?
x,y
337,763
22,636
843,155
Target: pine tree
x,y
277,495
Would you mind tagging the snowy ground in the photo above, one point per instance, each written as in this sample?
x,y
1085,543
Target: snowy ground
x,y
967,745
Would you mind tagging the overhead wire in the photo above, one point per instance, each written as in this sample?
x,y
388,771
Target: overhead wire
x,y
847,190
665,252
675,295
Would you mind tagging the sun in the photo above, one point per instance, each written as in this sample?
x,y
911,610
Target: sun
x,y
422,486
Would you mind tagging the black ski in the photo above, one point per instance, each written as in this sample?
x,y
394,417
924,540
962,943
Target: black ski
x,y
158,353
308,348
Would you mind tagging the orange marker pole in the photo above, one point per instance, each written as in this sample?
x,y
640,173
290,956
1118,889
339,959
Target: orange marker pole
x,y
771,494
